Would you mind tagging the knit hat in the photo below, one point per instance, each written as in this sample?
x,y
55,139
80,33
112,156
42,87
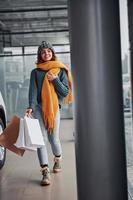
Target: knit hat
x,y
45,45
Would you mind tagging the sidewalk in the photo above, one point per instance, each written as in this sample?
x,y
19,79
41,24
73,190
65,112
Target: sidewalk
x,y
20,177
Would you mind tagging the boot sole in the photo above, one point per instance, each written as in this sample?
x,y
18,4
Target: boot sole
x,y
45,184
56,170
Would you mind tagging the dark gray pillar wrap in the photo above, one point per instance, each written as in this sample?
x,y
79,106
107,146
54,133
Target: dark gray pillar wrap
x,y
130,18
97,74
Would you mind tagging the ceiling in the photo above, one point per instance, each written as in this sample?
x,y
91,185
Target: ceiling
x,y
28,22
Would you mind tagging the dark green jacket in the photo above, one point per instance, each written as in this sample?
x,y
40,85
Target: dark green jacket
x,y
36,81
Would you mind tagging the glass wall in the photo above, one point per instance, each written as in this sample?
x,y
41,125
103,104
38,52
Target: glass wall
x,y
15,71
125,52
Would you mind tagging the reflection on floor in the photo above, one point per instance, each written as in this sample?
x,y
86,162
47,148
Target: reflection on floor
x,y
129,152
20,177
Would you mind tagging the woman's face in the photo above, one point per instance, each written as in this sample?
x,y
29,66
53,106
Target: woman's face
x,y
46,54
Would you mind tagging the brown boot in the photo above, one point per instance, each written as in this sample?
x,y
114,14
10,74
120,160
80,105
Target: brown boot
x,y
46,176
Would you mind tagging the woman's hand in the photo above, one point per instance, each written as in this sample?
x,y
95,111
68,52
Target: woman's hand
x,y
28,112
51,76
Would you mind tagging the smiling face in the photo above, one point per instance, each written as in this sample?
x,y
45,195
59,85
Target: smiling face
x,y
46,54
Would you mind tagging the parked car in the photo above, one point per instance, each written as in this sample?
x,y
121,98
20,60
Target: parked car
x,y
2,127
126,92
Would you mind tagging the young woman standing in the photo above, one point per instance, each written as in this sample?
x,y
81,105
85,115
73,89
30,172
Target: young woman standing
x,y
50,84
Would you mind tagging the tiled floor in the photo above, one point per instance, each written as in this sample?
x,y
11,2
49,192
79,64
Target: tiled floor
x,y
20,177
129,152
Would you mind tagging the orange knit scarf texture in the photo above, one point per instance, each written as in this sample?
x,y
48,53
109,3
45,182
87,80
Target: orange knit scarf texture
x,y
48,93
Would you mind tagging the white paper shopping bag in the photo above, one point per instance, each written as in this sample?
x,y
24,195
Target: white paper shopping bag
x,y
33,133
21,140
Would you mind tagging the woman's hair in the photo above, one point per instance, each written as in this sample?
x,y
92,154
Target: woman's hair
x,y
39,57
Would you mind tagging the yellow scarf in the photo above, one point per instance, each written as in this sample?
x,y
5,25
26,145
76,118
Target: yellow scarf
x,y
48,94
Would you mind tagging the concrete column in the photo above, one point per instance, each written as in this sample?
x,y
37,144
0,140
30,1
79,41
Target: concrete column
x,y
1,44
1,49
97,74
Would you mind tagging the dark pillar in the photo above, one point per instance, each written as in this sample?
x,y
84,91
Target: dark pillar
x,y
96,67
130,18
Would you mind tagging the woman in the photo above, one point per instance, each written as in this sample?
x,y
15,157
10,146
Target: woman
x,y
50,84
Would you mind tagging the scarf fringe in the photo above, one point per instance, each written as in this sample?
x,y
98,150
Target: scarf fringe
x,y
49,122
68,99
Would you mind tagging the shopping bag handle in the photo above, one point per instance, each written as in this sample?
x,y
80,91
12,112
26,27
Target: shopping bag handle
x,y
31,117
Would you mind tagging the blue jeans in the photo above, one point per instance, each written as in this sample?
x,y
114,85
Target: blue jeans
x,y
53,137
